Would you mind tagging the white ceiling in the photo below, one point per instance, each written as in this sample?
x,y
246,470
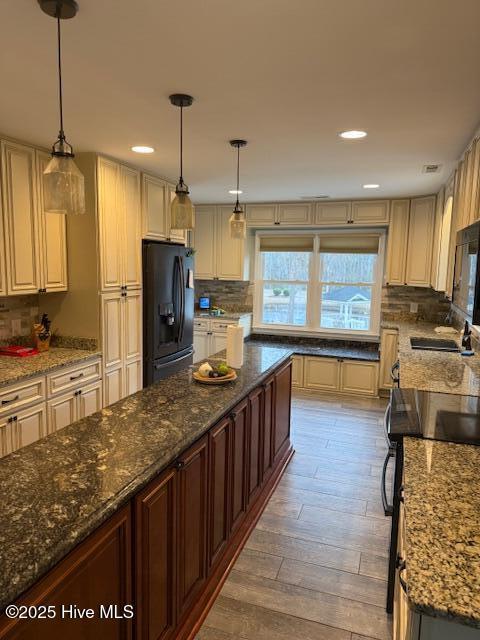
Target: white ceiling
x,y
287,75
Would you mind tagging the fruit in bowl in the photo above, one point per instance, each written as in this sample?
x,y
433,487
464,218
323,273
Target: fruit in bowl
x,y
207,371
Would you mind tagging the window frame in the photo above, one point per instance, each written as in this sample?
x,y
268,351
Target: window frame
x,y
312,326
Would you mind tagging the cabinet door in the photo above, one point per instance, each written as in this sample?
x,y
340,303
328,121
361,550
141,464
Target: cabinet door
x,y
62,411
204,243
53,237
397,243
19,191
254,440
113,385
229,251
219,473
388,356
261,215
420,241
297,371
90,399
30,425
110,224
6,443
155,553
370,212
132,325
154,215
359,377
321,373
332,213
268,425
239,463
97,572
112,329
283,391
218,342
201,345
132,227
294,214
3,273
133,377
175,235
192,524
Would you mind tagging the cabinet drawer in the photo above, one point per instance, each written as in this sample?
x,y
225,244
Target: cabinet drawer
x,y
72,377
220,326
201,324
22,395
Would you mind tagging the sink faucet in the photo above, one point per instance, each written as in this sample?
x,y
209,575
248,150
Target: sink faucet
x,y
467,340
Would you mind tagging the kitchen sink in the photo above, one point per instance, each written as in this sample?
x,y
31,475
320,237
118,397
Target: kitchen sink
x,y
434,344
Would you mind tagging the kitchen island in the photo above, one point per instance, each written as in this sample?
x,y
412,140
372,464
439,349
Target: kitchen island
x,y
187,468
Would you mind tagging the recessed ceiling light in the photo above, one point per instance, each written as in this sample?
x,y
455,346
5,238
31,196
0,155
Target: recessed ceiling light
x,y
143,149
371,186
235,191
352,135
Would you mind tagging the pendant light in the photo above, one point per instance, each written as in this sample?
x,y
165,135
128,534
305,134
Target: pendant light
x,y
238,224
63,183
182,212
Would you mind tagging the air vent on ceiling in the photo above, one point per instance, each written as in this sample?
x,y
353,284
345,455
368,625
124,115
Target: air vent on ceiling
x,y
322,197
431,168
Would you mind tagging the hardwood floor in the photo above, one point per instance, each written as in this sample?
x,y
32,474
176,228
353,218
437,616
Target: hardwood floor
x,y
315,566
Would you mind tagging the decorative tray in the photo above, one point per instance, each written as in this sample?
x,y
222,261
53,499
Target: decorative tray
x,y
230,377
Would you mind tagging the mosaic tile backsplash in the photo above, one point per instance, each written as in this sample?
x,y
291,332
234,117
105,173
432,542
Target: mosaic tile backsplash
x,y
17,315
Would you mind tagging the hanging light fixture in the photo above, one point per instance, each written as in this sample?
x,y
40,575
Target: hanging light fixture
x,y
63,183
182,212
238,224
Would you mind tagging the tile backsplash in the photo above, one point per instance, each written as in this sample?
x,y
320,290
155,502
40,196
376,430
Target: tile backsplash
x,y
432,305
17,315
227,294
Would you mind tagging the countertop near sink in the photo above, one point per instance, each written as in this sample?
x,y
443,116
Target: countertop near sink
x,y
348,349
229,315
440,371
442,507
61,488
14,369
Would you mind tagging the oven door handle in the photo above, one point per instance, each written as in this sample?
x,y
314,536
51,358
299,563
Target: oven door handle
x,y
395,378
387,507
386,424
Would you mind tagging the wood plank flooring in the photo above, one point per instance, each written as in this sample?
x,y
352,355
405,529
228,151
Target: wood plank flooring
x,y
315,567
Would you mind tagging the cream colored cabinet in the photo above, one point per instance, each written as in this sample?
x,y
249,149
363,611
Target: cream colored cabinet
x,y
397,243
420,242
210,335
20,213
119,225
370,212
122,331
74,405
261,215
410,242
201,345
297,371
29,426
388,356
359,377
294,214
218,342
217,255
285,214
322,373
6,445
332,213
154,214
3,272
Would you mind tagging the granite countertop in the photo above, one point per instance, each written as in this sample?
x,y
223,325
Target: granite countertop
x,y
59,489
13,369
323,347
228,315
434,370
442,507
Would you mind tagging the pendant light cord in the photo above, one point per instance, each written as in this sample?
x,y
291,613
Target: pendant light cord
x,y
181,144
238,175
60,87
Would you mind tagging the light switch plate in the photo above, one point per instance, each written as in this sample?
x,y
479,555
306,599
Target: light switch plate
x,y
413,307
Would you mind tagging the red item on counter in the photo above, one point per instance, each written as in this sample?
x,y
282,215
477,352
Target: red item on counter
x,y
19,352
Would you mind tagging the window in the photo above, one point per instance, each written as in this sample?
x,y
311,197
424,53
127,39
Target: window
x,y
321,283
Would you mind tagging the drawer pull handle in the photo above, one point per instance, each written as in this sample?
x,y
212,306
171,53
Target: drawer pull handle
x,y
401,566
179,464
17,397
80,375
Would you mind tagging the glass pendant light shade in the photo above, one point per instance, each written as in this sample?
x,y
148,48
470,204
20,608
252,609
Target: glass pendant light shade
x,y
238,225
63,186
182,213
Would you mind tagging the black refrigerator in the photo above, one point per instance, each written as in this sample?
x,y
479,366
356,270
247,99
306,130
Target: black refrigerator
x,y
168,304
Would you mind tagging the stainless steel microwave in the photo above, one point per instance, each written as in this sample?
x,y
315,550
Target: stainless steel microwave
x,y
466,279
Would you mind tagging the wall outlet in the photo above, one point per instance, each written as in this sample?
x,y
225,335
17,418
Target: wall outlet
x,y
413,307
16,327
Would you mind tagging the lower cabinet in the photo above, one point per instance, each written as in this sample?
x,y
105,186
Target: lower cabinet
x,y
388,356
74,405
297,371
254,438
220,483
337,375
238,505
281,433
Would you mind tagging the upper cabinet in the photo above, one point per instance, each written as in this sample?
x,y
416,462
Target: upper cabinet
x,y
287,215
217,255
157,197
118,200
410,242
370,212
332,213
259,215
294,214
34,240
467,187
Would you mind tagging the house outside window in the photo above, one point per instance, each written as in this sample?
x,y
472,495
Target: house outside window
x,y
319,283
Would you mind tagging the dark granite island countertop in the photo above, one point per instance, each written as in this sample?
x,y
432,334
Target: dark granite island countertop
x,y
61,488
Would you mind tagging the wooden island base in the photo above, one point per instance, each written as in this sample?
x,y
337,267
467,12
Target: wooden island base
x,y
169,550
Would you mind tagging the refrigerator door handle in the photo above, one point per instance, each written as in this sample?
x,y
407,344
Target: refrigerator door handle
x,y
182,297
168,364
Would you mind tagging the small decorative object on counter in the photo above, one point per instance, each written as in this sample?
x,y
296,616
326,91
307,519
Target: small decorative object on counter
x,y
235,346
214,375
42,334
17,351
467,340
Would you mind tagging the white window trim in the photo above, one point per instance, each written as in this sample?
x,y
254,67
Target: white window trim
x,y
313,292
